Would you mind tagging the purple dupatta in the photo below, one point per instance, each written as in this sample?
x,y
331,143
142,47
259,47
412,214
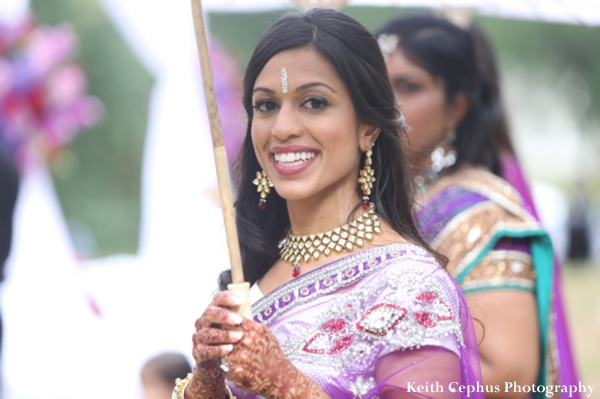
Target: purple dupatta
x,y
512,173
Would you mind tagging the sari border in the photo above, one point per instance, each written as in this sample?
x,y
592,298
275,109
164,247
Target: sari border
x,y
498,283
499,230
502,200
333,276
459,219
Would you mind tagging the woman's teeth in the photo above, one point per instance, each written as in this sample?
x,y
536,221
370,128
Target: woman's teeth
x,y
293,158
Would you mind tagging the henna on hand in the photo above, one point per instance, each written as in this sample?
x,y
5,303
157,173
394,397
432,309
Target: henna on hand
x,y
216,333
206,385
258,365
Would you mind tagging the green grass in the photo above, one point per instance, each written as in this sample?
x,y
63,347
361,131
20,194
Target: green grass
x,y
582,296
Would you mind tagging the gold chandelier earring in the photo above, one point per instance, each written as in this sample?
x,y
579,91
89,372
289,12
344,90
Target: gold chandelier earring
x,y
367,177
263,186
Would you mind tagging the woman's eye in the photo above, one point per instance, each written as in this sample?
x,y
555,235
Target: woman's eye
x,y
265,105
404,86
315,103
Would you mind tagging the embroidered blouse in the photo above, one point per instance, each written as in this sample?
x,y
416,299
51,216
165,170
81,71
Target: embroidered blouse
x,y
383,318
479,222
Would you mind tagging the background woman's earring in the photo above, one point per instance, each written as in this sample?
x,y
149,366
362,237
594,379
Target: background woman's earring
x,y
367,177
263,186
444,155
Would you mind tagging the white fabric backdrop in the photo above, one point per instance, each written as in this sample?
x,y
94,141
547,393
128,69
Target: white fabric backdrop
x,y
55,346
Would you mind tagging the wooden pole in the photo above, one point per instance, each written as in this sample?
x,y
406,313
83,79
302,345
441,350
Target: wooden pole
x,y
235,259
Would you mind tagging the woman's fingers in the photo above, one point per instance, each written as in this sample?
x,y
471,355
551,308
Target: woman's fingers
x,y
213,336
219,313
202,353
221,316
226,299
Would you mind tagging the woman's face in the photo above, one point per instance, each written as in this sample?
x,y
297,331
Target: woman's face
x,y
308,139
422,102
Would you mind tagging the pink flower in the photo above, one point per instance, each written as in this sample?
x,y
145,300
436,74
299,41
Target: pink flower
x,y
43,91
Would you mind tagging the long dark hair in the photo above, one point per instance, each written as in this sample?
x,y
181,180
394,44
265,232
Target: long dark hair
x,y
450,53
354,53
490,77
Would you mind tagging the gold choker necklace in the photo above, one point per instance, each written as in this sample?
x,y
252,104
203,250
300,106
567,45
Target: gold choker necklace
x,y
298,249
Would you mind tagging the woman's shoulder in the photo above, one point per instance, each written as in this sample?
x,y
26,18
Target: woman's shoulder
x,y
470,197
410,259
466,213
420,270
471,181
422,290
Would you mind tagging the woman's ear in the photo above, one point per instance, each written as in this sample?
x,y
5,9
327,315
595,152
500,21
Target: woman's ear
x,y
367,135
456,110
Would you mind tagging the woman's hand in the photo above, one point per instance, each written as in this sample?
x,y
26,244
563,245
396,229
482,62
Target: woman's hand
x,y
258,365
217,331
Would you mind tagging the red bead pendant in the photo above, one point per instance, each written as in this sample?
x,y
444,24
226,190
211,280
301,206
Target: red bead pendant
x,y
366,203
296,271
262,204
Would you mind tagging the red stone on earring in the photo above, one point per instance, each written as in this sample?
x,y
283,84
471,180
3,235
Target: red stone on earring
x,y
296,271
262,204
366,202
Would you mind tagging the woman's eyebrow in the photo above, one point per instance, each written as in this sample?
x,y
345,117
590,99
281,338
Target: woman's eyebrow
x,y
263,89
313,84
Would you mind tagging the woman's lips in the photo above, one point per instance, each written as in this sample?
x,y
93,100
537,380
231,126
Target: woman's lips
x,y
292,161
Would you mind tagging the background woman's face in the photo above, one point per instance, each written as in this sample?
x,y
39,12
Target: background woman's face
x,y
306,140
422,100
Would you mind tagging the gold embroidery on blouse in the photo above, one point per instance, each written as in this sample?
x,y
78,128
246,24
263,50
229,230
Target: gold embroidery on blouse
x,y
469,233
501,268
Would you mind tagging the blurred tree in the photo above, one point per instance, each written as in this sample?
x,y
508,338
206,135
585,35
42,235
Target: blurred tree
x,y
98,177
559,46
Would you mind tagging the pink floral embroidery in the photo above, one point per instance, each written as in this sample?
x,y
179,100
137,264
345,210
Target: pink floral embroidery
x,y
428,297
308,349
433,298
425,319
334,325
381,318
340,345
448,314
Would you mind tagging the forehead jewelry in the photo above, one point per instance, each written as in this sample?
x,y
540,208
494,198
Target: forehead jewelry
x,y
388,44
284,82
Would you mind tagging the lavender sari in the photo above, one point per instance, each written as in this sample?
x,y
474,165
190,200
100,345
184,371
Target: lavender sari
x,y
388,318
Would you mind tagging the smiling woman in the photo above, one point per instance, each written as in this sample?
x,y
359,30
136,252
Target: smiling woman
x,y
344,305
316,118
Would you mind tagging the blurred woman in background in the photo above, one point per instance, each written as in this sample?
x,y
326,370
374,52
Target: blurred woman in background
x,y
498,252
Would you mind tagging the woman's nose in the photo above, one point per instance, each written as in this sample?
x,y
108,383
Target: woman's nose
x,y
288,123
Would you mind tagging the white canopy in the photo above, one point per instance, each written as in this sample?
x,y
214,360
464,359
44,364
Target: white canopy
x,y
585,12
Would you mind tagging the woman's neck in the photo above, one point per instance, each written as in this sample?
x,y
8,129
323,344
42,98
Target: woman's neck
x,y
319,215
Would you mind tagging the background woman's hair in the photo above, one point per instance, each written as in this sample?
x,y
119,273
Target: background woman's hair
x,y
355,54
488,70
450,53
